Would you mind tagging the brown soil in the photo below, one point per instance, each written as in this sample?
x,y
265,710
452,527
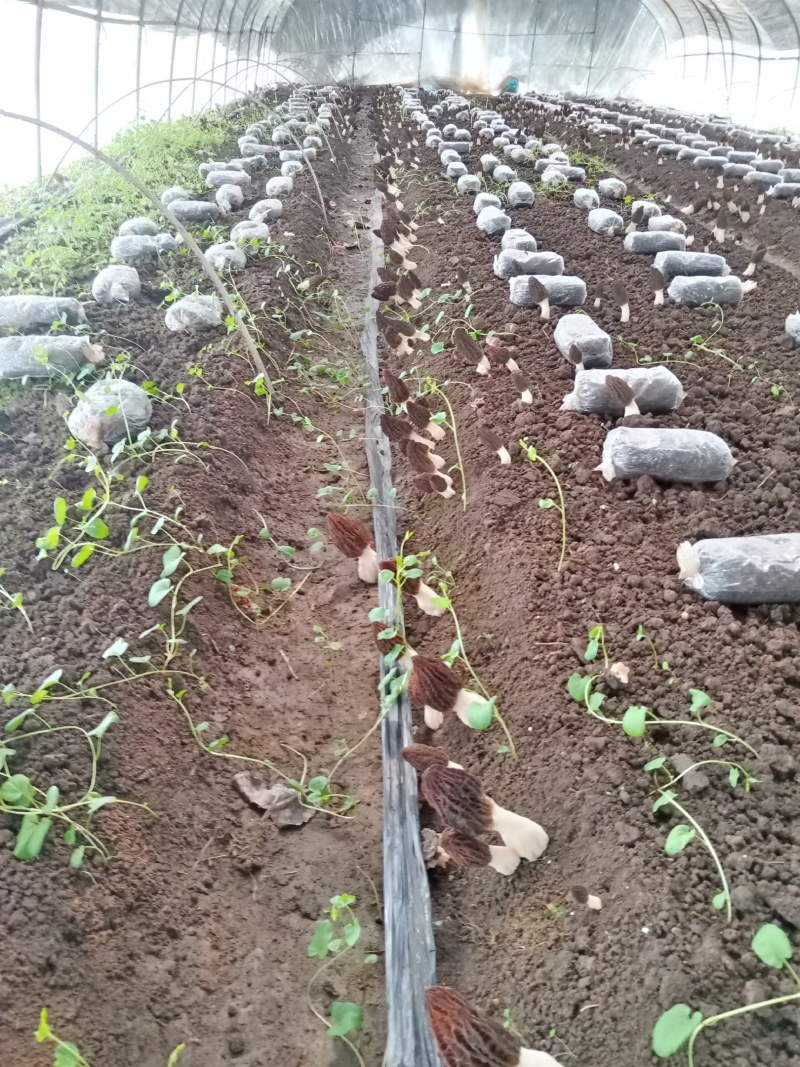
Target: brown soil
x,y
588,986
197,930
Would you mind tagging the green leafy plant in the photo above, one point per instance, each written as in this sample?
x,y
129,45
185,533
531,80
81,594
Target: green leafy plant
x,y
65,1054
547,503
680,1025
642,635
336,936
14,602
682,834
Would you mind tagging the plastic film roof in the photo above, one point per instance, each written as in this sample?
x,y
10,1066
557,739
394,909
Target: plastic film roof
x,y
732,58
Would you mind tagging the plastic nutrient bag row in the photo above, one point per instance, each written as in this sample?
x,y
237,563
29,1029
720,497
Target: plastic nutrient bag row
x,y
139,227
493,221
194,313
279,187
519,239
504,174
670,455
143,249
595,344
513,261
656,390
483,200
602,220
586,199
692,292
109,411
248,230
743,570
562,291
116,284
227,256
660,223
520,194
648,208
455,170
707,264
26,312
650,242
45,356
612,188
196,210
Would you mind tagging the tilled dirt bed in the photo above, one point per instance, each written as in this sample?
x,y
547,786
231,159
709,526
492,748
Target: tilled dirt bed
x,y
589,985
197,929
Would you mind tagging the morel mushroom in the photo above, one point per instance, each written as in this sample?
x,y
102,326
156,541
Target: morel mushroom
x,y
471,350
422,593
623,393
499,352
420,415
463,279
435,483
495,444
421,459
658,284
521,383
637,216
599,293
581,895
696,206
398,430
540,296
720,225
755,259
353,540
384,291
466,1039
458,798
575,357
423,756
438,688
466,851
620,294
398,392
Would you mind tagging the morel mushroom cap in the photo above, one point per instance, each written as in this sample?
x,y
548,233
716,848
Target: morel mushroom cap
x,y
495,444
398,390
623,393
349,536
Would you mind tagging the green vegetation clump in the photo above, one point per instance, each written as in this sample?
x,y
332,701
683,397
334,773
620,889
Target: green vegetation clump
x,y
68,242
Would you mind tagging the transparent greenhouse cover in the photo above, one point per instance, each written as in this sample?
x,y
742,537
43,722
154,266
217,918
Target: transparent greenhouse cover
x,y
96,67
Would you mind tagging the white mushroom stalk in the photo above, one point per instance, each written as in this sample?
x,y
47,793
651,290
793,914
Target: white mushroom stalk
x,y
421,417
465,1038
499,352
469,348
398,430
466,851
623,394
540,296
757,258
599,293
720,225
438,688
525,837
620,294
521,383
353,540
422,593
495,444
658,284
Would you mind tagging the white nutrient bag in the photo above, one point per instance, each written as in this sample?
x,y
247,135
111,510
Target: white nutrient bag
x,y
667,454
743,570
656,390
27,312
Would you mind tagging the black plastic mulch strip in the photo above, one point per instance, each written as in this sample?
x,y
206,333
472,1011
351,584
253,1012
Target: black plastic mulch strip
x,y
409,943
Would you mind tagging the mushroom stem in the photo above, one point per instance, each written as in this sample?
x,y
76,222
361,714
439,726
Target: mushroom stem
x,y
504,860
463,701
524,836
424,597
531,1057
433,718
484,366
659,298
505,456
625,313
368,566
544,309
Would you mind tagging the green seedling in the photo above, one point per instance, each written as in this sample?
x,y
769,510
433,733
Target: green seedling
x,y
642,635
430,387
335,937
15,602
321,638
65,1054
680,1026
682,834
638,718
547,503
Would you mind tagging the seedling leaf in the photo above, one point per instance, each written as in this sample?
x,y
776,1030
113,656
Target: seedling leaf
x,y
673,1029
60,510
480,714
720,900
82,555
118,648
655,764
100,730
678,838
634,721
347,1017
280,585
171,560
666,798
578,687
320,943
771,945
700,700
158,590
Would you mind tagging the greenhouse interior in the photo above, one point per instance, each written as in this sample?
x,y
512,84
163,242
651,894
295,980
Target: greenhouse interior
x,y
397,401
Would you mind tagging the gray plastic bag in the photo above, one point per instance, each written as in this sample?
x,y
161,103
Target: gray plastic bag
x,y
694,291
25,312
656,390
586,199
227,256
139,227
603,221
793,328
279,186
483,200
229,197
595,345
194,313
196,210
116,284
249,229
743,570
109,411
266,210
650,242
493,221
45,356
562,290
519,239
707,264
668,454
520,194
513,261
175,192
